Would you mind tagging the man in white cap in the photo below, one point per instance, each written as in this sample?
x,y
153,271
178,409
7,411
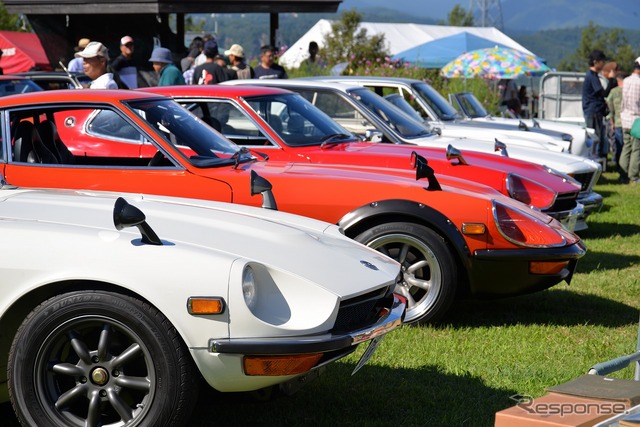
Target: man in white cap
x,y
236,59
124,65
95,58
75,65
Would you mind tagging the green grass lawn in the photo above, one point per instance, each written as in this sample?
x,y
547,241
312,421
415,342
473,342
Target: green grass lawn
x,y
459,373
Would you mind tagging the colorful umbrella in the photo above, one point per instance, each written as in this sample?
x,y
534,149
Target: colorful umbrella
x,y
494,63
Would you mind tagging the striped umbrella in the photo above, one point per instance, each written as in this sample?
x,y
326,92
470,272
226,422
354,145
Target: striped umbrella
x,y
494,63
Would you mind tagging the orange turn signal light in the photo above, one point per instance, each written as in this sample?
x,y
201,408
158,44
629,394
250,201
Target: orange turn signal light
x,y
205,305
547,267
473,228
280,365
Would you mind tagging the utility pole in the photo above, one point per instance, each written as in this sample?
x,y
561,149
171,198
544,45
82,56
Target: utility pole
x,y
487,13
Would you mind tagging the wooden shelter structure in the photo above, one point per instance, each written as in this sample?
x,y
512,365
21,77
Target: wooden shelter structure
x,y
60,24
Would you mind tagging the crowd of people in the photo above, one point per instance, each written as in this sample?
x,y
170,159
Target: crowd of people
x,y
202,65
611,105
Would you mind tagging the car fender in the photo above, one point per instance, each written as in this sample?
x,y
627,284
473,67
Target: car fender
x,y
395,210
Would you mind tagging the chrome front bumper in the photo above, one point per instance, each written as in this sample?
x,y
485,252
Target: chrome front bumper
x,y
315,343
570,219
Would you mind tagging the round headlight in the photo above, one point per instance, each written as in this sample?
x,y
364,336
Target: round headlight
x,y
249,287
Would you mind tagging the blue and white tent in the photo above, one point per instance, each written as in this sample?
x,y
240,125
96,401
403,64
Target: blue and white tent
x,y
400,38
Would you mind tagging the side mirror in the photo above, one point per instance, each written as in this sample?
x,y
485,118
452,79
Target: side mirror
x,y
423,170
126,215
502,147
372,135
260,185
454,153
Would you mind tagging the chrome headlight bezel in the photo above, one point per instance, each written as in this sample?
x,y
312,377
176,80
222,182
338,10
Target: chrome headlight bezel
x,y
249,288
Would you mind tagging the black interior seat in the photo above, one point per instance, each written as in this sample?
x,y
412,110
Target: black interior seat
x,y
22,143
50,138
42,153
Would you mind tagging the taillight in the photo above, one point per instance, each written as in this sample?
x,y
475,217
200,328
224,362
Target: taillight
x,y
523,229
530,192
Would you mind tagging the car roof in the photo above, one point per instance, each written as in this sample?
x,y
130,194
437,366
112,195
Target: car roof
x,y
306,83
46,74
214,90
74,95
366,78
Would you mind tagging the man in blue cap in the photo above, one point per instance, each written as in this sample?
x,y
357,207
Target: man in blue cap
x,y
162,60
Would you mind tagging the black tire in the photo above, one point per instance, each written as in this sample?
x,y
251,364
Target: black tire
x,y
98,358
428,267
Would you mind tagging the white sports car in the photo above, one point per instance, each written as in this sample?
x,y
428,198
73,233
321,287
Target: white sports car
x,y
108,319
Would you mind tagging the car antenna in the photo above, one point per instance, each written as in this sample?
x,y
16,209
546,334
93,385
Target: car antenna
x,y
75,81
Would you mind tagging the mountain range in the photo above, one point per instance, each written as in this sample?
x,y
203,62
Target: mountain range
x,y
518,15
552,29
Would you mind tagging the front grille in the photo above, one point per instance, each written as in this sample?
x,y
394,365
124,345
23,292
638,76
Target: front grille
x,y
564,202
584,179
361,311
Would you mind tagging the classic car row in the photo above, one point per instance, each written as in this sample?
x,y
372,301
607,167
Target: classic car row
x,y
284,126
83,339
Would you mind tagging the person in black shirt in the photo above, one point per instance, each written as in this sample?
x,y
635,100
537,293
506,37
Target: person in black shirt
x,y
268,69
594,105
210,72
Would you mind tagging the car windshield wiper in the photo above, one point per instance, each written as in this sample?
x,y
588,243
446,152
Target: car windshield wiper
x,y
330,139
240,156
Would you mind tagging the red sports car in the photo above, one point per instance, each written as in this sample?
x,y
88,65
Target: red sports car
x,y
451,236
284,126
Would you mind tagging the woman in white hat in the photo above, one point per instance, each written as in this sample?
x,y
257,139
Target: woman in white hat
x,y
95,58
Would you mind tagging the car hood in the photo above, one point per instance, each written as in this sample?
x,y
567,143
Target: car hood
x,y
508,134
582,137
301,246
563,162
399,156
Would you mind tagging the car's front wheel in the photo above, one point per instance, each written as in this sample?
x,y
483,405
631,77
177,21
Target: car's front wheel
x,y
428,268
96,358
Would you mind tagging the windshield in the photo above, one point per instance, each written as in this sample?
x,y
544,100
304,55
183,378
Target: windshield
x,y
195,140
397,119
470,105
16,86
297,121
437,102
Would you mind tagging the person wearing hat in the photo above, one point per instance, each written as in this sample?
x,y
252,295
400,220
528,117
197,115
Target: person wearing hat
x,y
594,105
162,61
124,66
236,59
75,65
630,111
95,58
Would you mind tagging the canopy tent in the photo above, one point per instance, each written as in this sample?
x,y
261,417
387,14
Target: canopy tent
x,y
399,37
22,52
438,52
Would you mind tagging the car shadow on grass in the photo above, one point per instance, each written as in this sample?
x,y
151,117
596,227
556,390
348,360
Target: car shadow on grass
x,y
375,396
594,260
550,307
602,230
